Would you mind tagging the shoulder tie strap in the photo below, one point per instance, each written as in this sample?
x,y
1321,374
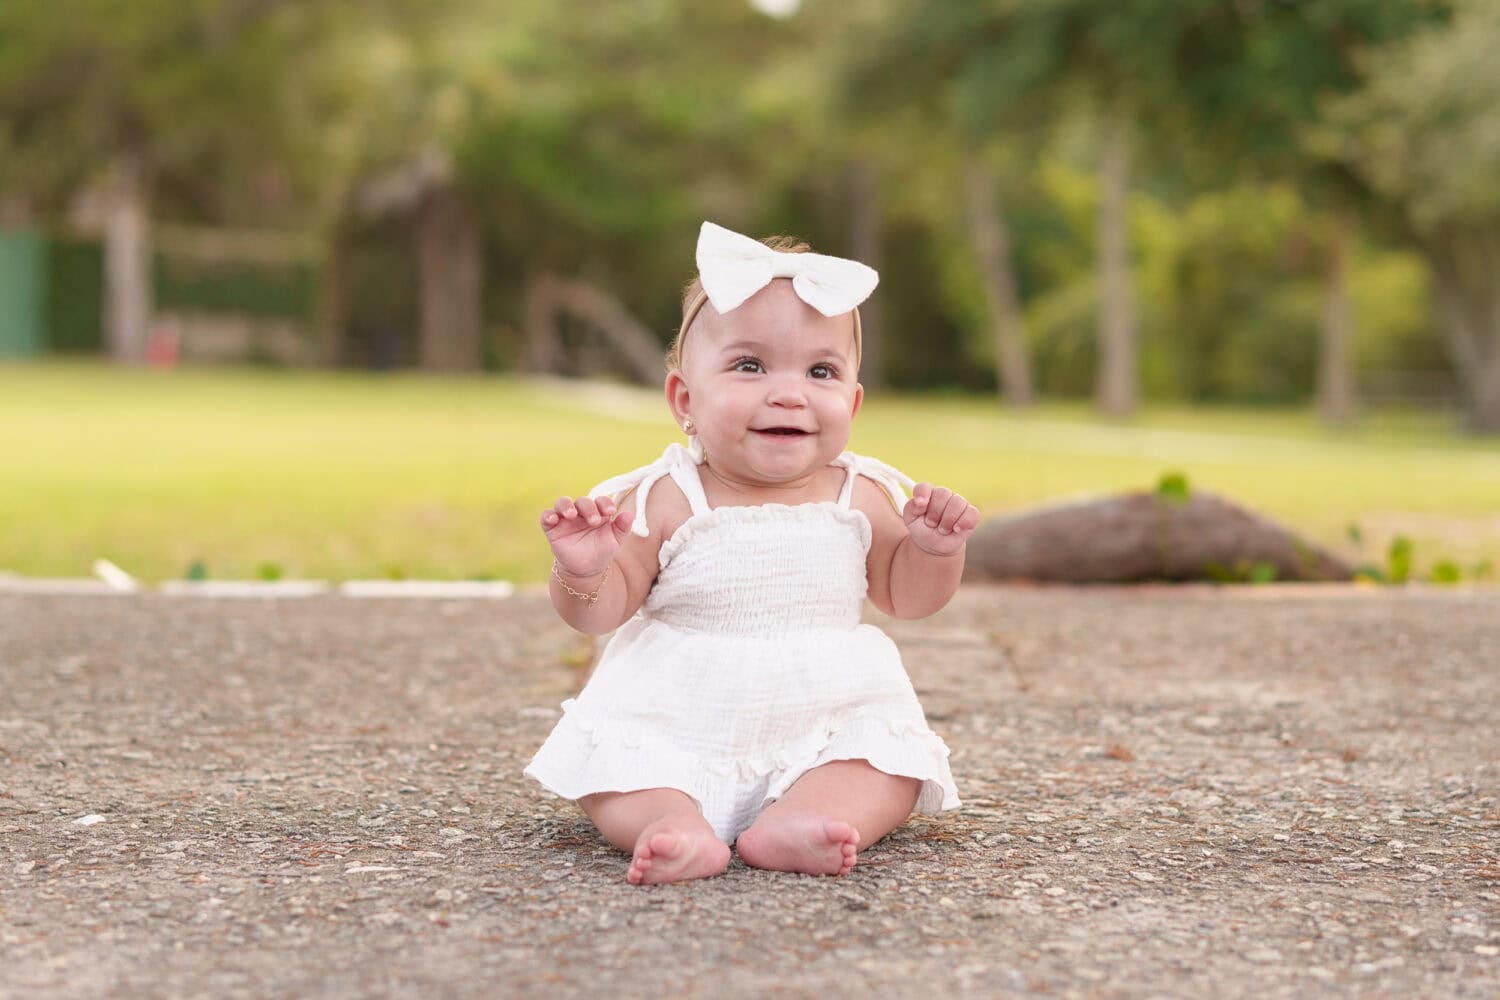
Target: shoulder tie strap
x,y
678,462
893,481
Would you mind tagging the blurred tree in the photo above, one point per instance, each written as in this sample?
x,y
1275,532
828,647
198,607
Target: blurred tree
x,y
1005,70
619,130
1422,134
1226,308
551,159
438,83
1252,76
222,111
919,65
1116,60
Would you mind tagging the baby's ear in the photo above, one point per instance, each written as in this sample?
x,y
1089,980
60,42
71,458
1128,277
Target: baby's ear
x,y
676,388
859,397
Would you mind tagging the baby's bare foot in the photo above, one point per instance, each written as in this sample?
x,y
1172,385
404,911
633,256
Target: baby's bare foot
x,y
668,854
800,843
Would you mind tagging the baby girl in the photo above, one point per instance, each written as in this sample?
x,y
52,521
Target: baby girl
x,y
741,701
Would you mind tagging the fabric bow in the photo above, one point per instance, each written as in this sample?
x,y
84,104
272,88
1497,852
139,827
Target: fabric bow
x,y
734,267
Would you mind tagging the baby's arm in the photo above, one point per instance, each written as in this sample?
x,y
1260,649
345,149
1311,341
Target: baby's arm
x,y
917,556
602,572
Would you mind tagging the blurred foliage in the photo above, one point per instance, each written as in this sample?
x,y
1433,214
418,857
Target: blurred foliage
x,y
589,138
1173,487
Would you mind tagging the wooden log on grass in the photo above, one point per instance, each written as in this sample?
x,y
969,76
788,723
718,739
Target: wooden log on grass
x,y
1145,536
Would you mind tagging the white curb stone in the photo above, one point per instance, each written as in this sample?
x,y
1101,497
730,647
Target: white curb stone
x,y
244,588
428,588
10,584
114,581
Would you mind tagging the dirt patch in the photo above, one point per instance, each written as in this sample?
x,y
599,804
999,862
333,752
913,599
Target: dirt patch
x,y
1167,792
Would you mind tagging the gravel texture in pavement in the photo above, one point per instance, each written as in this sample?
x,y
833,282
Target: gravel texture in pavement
x,y
1168,792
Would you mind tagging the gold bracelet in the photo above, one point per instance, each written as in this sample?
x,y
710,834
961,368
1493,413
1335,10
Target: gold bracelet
x,y
591,598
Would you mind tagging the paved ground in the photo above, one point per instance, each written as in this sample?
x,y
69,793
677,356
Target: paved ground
x,y
1168,793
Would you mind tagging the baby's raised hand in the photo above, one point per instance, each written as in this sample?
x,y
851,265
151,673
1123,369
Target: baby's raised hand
x,y
584,533
939,520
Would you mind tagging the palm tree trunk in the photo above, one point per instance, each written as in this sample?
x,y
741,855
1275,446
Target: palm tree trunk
x,y
448,245
544,352
1484,389
1116,385
333,302
991,239
1336,392
864,245
127,265
1468,296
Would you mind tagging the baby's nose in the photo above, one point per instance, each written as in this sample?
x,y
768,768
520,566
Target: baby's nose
x,y
786,392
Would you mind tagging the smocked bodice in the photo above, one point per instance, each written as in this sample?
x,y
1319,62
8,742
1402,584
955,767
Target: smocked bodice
x,y
760,571
764,571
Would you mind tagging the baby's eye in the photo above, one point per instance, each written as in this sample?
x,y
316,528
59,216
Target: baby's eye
x,y
749,365
823,372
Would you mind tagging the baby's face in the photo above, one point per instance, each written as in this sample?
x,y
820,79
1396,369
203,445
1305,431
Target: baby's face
x,y
770,386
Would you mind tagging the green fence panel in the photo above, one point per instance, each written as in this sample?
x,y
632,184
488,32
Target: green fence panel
x,y
75,296
23,284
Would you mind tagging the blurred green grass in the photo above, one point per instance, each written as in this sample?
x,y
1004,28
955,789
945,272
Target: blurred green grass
x,y
341,475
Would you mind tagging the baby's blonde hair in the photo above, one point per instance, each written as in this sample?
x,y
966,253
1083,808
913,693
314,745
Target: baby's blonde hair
x,y
693,297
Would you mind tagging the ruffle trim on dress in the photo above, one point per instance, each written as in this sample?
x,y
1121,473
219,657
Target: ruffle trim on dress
x,y
608,756
578,760
895,747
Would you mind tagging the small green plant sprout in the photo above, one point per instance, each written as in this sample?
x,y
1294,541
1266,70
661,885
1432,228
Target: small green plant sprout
x,y
197,570
1445,571
269,572
1173,487
1399,559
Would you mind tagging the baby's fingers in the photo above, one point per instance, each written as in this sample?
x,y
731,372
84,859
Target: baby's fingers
x,y
953,513
551,518
584,513
937,506
588,511
564,510
921,496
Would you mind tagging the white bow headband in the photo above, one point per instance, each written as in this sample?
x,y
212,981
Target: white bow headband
x,y
732,268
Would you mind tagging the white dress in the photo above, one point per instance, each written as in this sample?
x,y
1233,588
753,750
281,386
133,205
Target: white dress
x,y
747,664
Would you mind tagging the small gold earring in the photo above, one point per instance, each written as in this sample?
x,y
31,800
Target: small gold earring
x,y
687,425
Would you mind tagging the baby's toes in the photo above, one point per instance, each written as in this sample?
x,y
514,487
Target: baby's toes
x,y
639,865
850,851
